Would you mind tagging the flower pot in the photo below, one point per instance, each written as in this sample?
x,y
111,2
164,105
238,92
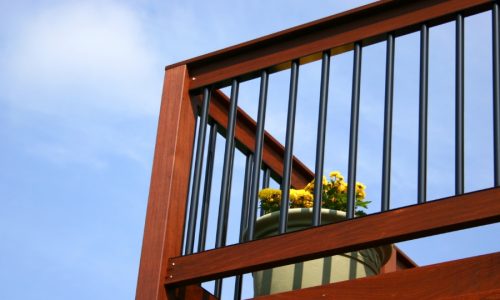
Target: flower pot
x,y
315,272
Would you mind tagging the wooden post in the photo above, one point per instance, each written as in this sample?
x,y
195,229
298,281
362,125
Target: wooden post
x,y
169,185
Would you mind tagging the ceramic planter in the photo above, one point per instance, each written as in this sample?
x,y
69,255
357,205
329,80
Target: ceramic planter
x,y
320,271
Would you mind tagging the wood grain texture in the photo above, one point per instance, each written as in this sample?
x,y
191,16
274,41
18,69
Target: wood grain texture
x,y
192,292
272,152
367,24
453,213
169,185
470,278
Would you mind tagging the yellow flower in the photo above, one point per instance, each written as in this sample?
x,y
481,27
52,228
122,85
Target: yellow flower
x,y
342,188
300,198
310,186
334,195
270,195
360,196
336,175
360,187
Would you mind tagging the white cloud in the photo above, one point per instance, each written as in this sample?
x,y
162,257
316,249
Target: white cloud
x,y
85,56
85,77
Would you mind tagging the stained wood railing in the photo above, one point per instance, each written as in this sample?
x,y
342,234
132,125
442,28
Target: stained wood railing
x,y
167,274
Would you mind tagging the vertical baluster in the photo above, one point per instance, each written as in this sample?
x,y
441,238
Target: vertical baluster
x,y
320,141
353,137
226,177
459,106
244,218
265,183
267,178
186,212
207,187
389,92
496,92
193,209
259,141
287,161
422,124
246,197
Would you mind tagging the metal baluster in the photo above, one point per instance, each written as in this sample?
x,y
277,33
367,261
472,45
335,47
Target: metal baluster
x,y
320,141
287,161
422,124
389,92
226,177
244,218
267,178
265,184
186,212
353,137
200,147
496,91
259,141
207,188
459,107
246,197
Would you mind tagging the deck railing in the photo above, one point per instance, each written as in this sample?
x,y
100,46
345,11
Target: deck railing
x,y
193,107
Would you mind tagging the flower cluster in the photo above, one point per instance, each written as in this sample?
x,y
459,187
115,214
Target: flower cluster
x,y
334,195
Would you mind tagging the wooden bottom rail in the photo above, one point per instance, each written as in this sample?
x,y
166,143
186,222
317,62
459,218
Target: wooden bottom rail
x,y
191,292
431,218
470,278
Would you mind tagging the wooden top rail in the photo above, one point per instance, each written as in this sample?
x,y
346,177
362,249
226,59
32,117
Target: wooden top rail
x,y
454,213
337,33
273,151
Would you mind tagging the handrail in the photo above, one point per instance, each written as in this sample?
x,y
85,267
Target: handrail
x,y
367,24
453,213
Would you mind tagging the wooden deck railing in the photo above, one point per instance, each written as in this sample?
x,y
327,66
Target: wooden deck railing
x,y
167,274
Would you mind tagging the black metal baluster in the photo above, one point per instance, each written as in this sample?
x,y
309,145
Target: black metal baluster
x,y
267,178
496,92
459,107
422,124
186,212
353,136
193,209
320,141
244,218
389,92
259,141
287,161
207,187
246,197
265,184
226,177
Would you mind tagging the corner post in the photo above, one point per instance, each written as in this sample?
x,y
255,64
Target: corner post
x,y
169,186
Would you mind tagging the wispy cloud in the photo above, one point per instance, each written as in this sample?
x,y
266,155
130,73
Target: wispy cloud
x,y
76,49
86,71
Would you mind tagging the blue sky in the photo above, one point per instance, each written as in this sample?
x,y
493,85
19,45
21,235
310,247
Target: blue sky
x,y
79,99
